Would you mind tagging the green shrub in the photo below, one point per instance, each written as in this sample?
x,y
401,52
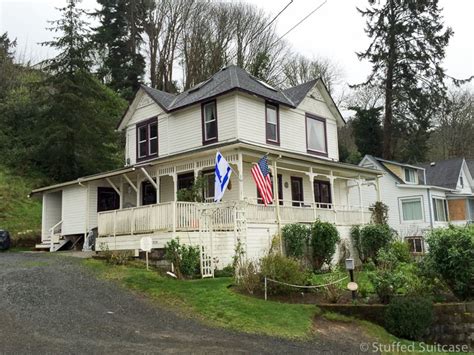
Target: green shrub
x,y
227,271
409,317
401,251
296,238
247,277
283,269
374,237
379,213
334,291
324,239
451,254
185,258
386,278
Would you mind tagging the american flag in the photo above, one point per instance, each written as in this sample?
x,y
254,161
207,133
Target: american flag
x,y
261,175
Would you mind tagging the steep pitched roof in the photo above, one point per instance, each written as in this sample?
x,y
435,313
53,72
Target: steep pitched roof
x,y
444,173
470,165
381,162
227,79
298,93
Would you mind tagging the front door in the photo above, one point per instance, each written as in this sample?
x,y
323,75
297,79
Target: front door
x,y
297,191
322,194
148,193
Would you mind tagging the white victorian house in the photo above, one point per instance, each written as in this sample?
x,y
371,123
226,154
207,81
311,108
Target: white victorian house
x,y
173,139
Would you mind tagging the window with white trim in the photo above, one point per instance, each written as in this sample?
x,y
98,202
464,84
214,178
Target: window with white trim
x,y
412,209
440,210
410,176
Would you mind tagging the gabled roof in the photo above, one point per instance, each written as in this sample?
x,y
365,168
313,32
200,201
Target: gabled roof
x,y
381,163
470,166
298,93
443,173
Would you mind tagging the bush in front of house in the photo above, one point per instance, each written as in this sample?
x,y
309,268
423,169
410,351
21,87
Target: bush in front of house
x,y
401,251
185,258
409,317
295,237
369,239
451,255
281,268
324,239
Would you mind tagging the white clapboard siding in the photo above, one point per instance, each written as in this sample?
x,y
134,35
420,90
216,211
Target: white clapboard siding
x,y
391,195
51,212
251,123
74,206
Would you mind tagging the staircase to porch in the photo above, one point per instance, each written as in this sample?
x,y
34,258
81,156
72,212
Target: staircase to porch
x,y
53,241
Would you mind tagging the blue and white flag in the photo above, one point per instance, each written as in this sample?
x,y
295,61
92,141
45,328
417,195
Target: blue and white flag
x,y
223,172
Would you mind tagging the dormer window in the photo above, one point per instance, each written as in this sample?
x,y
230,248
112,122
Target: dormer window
x,y
272,123
410,176
147,139
209,122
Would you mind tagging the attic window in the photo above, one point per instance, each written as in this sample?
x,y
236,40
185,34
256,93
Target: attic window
x,y
147,139
461,182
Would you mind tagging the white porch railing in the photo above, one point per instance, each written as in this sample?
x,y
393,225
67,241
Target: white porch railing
x,y
185,216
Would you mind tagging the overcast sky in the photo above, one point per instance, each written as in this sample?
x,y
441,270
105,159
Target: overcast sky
x,y
335,31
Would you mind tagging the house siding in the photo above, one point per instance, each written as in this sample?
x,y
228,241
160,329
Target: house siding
x,y
74,206
251,120
51,212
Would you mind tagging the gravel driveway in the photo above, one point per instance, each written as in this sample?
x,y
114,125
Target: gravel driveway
x,y
52,304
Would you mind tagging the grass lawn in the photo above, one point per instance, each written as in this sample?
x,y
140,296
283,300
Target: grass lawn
x,y
18,213
211,301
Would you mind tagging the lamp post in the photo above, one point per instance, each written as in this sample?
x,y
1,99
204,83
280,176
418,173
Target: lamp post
x,y
352,286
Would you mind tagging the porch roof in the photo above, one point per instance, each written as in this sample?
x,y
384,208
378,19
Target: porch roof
x,y
248,146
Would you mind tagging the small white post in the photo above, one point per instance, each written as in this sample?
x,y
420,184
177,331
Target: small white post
x,y
265,288
146,256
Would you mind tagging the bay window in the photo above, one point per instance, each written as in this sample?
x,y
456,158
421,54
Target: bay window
x,y
316,138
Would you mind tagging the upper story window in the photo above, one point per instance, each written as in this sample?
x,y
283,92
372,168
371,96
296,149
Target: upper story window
x,y
410,176
461,182
316,135
147,139
272,123
209,122
440,210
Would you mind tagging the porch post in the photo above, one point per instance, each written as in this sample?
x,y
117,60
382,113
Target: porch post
x,y
157,187
276,201
240,168
359,187
331,186
138,190
377,181
311,176
175,198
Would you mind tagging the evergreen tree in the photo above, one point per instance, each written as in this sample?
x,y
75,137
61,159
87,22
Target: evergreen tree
x,y
79,115
119,38
367,130
7,67
408,45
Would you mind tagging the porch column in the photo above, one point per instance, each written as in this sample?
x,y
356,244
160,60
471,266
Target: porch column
x,y
359,187
175,198
277,202
157,187
377,186
138,190
240,168
311,177
117,190
331,186
121,195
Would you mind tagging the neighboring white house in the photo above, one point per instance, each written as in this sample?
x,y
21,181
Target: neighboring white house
x,y
172,139
421,198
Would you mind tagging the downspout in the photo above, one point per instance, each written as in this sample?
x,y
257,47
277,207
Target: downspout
x,y
430,205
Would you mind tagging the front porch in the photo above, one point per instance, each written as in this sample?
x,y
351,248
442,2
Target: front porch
x,y
178,216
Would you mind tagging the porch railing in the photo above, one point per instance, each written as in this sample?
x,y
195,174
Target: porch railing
x,y
185,216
